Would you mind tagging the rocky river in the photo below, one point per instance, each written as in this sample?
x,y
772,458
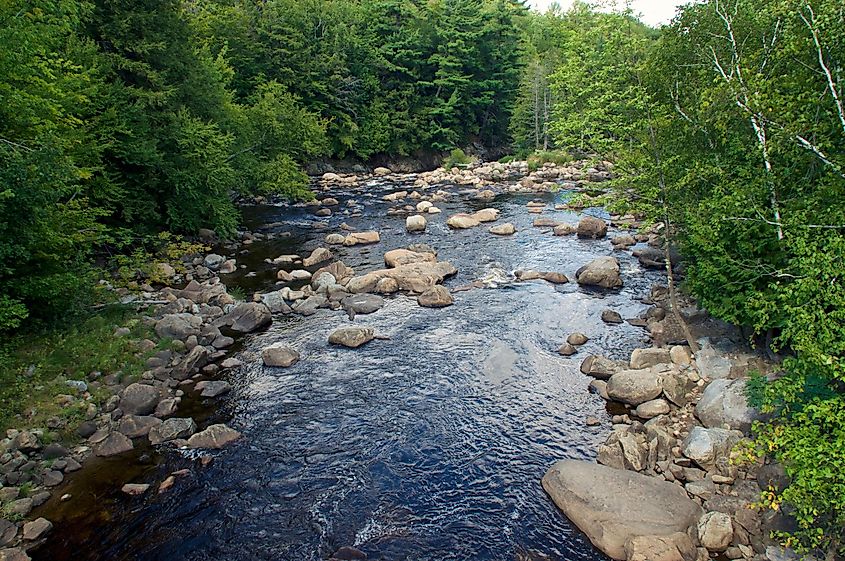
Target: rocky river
x,y
429,442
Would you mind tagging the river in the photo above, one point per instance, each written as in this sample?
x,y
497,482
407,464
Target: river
x,y
427,445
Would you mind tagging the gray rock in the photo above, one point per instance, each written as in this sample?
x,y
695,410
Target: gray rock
x,y
310,305
712,363
592,228
634,386
603,272
213,261
113,444
567,350
600,367
577,339
415,223
135,489
135,426
195,359
676,386
36,529
214,437
213,388
247,317
674,547
275,302
319,255
436,297
14,554
26,442
704,446
646,358
139,399
506,229
715,531
178,326
362,304
171,429
280,355
612,506
724,404
651,409
8,532
612,317
352,337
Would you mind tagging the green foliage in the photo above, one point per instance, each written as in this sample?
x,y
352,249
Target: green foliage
x,y
557,157
456,158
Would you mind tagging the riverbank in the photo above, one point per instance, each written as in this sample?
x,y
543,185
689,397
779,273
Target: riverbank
x,y
158,416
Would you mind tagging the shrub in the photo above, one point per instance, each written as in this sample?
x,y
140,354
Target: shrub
x,y
457,158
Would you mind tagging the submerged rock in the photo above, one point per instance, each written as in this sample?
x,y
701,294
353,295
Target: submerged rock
x,y
613,506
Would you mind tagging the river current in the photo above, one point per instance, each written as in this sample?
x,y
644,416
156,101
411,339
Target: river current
x,y
426,445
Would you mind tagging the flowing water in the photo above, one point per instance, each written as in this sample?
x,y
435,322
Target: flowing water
x,y
428,445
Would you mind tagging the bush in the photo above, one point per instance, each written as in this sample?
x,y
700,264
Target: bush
x,y
457,158
557,157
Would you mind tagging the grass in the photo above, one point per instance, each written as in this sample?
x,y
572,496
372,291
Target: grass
x,y
35,367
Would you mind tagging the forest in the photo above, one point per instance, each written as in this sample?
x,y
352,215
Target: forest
x,y
121,120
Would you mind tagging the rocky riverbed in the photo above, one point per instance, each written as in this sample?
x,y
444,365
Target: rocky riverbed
x,y
410,354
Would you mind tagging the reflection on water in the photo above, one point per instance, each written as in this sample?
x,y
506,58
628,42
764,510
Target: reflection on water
x,y
427,445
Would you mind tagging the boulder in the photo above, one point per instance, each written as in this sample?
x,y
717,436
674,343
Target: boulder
x,y
674,547
634,386
592,228
567,350
362,303
648,357
436,297
506,229
486,215
546,223
195,359
724,404
382,171
178,326
280,355
246,317
397,257
362,238
676,386
705,446
171,429
352,337
415,223
214,437
335,239
113,444
14,554
623,241
135,426
715,531
603,272
564,230
611,317
651,409
612,506
462,222
213,388
600,367
577,339
319,255
275,302
36,529
139,399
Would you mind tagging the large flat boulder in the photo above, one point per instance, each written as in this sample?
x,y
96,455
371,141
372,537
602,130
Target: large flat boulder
x,y
613,506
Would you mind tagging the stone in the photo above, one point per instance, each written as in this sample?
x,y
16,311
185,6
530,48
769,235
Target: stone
x,y
26,442
611,317
612,506
280,355
486,215
680,355
139,399
674,547
167,407
554,278
195,359
36,529
651,409
247,317
603,272
361,238
275,302
214,437
8,532
113,444
436,297
600,367
135,426
319,255
415,223
14,554
567,349
398,257
705,446
213,261
352,337
22,507
634,386
712,363
648,357
178,326
229,266
462,222
565,230
592,228
52,478
506,229
546,223
135,489
577,339
382,171
171,429
623,241
676,386
715,531
362,304
724,404
213,388
335,239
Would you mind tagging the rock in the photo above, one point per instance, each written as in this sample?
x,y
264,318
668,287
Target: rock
x,y
462,222
300,275
352,337
603,272
113,444
705,446
335,239
229,266
171,429
577,339
712,363
14,554
506,229
280,355
613,506
554,278
135,489
646,358
195,359
8,532
611,317
398,257
52,478
724,404
674,547
715,531
139,399
178,326
167,407
135,426
680,355
592,228
528,275
213,261
213,388
319,255
676,386
486,215
381,171
600,367
214,437
592,421
436,297
54,451
546,223
362,238
651,409
36,529
413,277
26,442
247,317
485,195
567,350
362,304
623,241
564,230
634,386
415,223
